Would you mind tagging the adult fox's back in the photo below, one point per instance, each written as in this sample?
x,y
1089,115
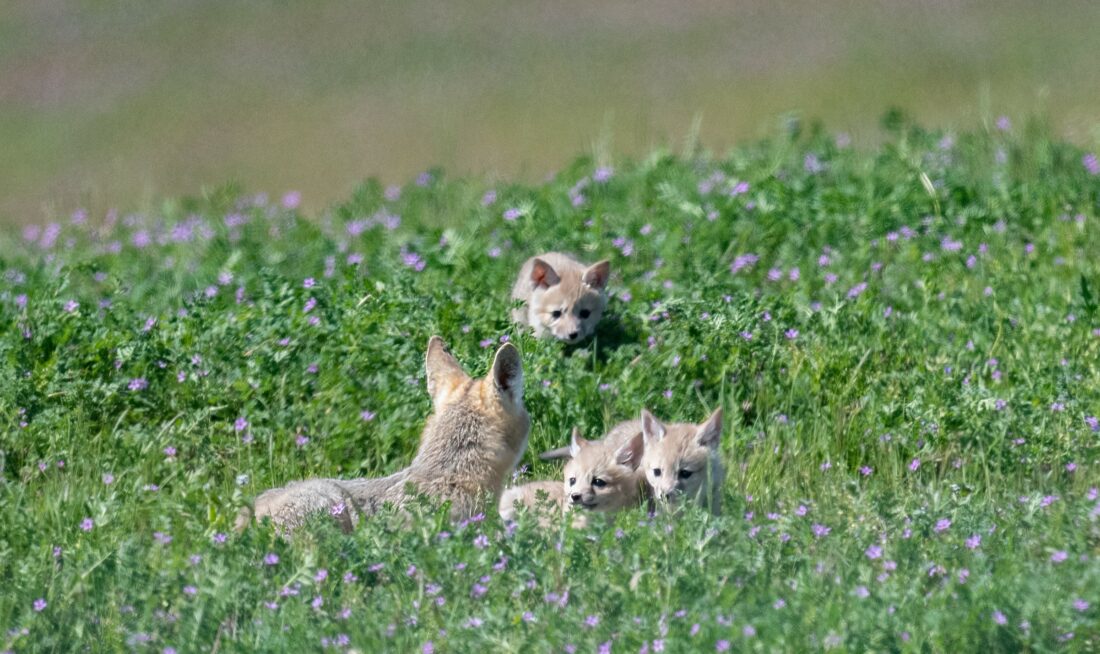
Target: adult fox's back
x,y
472,441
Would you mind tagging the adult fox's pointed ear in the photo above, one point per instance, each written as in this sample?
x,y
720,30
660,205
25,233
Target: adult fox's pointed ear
x,y
543,275
652,429
597,275
576,442
710,432
630,453
444,371
507,372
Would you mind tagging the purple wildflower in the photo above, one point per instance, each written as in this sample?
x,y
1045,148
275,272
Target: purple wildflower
x,y
742,261
1091,163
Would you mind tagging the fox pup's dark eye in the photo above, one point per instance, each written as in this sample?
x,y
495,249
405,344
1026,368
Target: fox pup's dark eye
x,y
585,313
598,483
684,474
556,313
656,472
572,481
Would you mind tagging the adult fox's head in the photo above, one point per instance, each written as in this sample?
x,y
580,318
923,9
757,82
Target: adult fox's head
x,y
479,427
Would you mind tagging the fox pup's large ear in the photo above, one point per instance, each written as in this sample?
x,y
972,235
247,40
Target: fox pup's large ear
x,y
542,275
652,429
576,442
710,431
442,368
507,372
597,275
630,453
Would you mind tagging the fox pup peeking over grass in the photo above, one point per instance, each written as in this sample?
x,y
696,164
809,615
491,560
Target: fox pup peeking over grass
x,y
473,440
681,461
601,477
562,297
604,476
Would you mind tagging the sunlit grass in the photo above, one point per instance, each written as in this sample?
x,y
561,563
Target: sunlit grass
x,y
908,369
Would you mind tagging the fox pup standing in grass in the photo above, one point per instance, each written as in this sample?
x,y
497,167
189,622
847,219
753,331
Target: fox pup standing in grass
x,y
601,477
562,297
473,440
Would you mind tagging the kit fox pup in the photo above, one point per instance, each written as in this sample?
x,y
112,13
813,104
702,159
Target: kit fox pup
x,y
562,297
681,461
601,476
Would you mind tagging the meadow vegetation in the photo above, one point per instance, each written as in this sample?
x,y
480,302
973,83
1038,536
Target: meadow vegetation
x,y
905,341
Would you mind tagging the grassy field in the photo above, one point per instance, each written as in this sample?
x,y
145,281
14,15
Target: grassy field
x,y
106,104
905,342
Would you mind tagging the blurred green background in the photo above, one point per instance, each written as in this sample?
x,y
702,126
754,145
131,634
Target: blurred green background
x,y
108,104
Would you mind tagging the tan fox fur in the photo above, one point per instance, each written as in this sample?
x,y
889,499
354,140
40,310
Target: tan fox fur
x,y
601,476
528,495
681,461
471,443
562,297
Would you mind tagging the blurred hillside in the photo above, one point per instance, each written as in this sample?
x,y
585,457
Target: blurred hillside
x,y
106,104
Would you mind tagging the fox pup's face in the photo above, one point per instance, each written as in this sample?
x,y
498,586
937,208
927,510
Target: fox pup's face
x,y
600,477
569,305
676,457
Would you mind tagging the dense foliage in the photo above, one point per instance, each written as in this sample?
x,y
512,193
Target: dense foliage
x,y
905,341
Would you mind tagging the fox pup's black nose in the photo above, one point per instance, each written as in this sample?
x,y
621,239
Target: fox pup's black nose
x,y
573,335
576,498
